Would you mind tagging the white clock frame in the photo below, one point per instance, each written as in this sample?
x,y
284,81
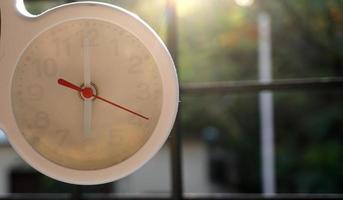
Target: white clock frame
x,y
19,28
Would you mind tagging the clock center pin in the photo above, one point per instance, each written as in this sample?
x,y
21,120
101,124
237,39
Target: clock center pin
x,y
88,92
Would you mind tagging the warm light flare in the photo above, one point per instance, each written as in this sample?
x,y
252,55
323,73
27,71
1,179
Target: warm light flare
x,y
187,7
244,2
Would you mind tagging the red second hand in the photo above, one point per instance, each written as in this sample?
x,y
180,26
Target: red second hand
x,y
77,88
121,107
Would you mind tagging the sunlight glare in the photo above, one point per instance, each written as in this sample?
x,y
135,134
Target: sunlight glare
x,y
186,7
244,2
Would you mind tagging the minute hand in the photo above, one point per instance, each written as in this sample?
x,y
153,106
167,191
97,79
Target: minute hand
x,y
87,104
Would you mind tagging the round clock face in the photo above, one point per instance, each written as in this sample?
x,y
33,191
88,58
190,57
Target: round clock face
x,y
86,94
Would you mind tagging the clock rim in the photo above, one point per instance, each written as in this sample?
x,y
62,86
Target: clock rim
x,y
120,17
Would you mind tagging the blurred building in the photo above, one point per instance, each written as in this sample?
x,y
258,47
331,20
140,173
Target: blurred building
x,y
154,177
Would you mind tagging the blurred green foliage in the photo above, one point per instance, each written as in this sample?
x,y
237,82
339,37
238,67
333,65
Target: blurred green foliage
x,y
218,42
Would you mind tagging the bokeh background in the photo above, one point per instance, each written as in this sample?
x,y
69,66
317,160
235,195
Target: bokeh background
x,y
218,41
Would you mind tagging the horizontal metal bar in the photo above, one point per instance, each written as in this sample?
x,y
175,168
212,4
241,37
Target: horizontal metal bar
x,y
83,196
255,86
164,197
261,196
38,196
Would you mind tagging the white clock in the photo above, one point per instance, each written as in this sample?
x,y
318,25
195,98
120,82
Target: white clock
x,y
89,92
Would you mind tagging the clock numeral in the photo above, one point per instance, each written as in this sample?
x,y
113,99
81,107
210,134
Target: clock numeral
x,y
35,92
130,39
47,68
41,120
34,140
116,137
62,46
62,134
115,46
143,91
136,121
91,34
135,65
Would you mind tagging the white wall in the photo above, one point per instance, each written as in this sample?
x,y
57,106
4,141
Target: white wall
x,y
2,136
155,177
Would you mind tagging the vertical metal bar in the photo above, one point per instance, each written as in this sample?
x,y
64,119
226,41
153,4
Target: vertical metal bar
x,y
175,140
76,193
266,106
